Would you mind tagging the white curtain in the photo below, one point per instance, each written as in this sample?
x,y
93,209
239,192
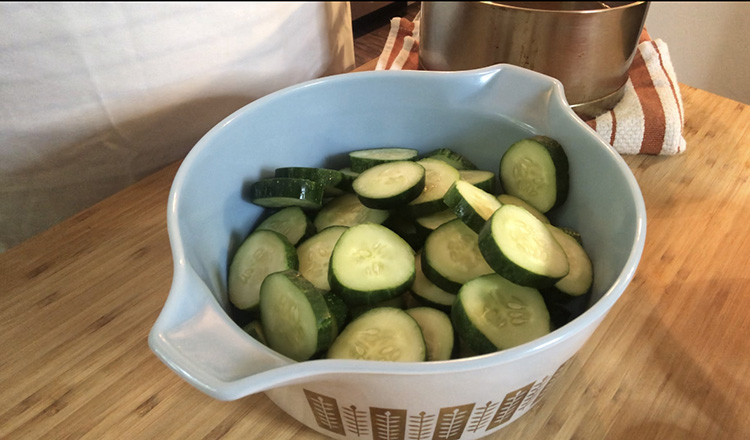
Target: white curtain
x,y
95,96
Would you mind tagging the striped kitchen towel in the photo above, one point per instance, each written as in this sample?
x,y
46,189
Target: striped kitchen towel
x,y
648,119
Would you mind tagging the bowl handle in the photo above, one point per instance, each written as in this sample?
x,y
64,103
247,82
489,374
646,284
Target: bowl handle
x,y
194,337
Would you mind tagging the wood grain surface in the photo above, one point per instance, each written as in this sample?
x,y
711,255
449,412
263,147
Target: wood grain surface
x,y
671,361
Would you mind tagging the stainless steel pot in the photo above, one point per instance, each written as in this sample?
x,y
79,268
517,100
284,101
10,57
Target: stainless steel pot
x,y
588,46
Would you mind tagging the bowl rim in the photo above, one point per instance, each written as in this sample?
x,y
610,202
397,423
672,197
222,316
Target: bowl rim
x,y
320,367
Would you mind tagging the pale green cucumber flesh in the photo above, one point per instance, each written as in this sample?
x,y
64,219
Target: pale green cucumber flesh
x,y
507,199
263,252
474,206
439,176
480,178
314,255
451,256
381,334
347,210
360,160
519,247
491,314
390,185
369,264
536,171
437,331
292,222
426,292
581,275
295,316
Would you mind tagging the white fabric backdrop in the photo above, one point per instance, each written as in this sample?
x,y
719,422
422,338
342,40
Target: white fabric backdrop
x,y
95,96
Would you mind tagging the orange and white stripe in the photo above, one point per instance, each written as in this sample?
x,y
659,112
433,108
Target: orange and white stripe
x,y
401,50
649,118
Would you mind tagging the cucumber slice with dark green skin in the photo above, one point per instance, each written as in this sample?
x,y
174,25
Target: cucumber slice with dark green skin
x,y
314,255
280,192
262,253
390,185
519,247
437,331
564,308
492,314
361,160
439,176
536,170
296,318
451,256
456,160
507,199
254,328
398,302
407,228
347,177
330,179
292,222
427,293
347,210
482,179
472,205
580,277
325,176
369,264
429,223
381,334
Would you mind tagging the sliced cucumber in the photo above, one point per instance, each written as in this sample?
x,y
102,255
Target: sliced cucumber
x,y
263,252
573,233
292,222
491,314
451,256
330,179
536,171
431,222
280,192
398,302
439,176
381,334
347,210
507,199
562,307
479,178
427,293
581,275
519,247
456,160
296,319
314,255
437,331
407,228
347,177
361,160
369,264
472,205
390,185
254,328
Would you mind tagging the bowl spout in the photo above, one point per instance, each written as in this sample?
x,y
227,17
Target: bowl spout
x,y
193,336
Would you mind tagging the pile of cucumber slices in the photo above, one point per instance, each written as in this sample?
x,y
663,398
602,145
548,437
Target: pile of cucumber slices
x,y
409,257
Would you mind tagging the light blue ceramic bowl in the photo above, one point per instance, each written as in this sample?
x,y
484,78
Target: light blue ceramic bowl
x,y
479,113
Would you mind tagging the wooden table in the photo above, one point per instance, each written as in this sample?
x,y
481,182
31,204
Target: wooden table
x,y
671,361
